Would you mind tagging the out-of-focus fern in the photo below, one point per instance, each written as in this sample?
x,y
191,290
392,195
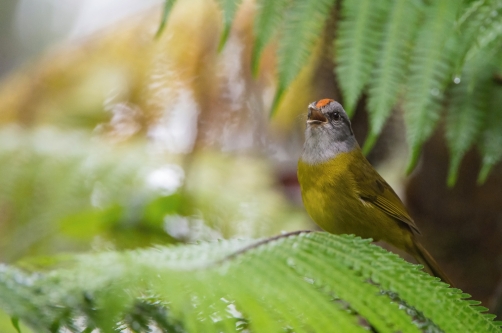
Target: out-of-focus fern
x,y
229,7
303,25
391,65
168,5
469,104
313,282
483,25
476,21
429,74
491,140
357,45
269,15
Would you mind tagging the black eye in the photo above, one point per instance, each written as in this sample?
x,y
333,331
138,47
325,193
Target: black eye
x,y
336,116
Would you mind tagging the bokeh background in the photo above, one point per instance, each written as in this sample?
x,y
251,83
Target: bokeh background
x,y
113,139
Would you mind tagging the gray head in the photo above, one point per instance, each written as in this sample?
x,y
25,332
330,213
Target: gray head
x,y
328,132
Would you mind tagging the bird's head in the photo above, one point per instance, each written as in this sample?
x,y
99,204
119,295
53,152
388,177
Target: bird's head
x,y
328,131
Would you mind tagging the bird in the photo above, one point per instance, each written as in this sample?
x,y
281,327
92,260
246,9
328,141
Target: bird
x,y
344,194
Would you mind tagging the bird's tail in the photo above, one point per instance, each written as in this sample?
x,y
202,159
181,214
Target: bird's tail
x,y
431,266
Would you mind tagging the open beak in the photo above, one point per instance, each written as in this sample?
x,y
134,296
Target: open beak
x,y
316,117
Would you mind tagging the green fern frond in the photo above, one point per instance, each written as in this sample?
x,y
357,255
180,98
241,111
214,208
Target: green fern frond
x,y
303,25
229,7
487,26
430,71
383,268
168,5
466,112
391,65
491,141
313,282
298,289
382,315
468,26
268,18
356,47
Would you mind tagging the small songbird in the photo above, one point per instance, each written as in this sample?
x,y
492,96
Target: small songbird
x,y
342,192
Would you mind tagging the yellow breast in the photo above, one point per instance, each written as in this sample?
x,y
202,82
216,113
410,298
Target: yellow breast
x,y
331,198
326,189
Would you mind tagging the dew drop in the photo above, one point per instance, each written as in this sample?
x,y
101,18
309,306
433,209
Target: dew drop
x,y
456,80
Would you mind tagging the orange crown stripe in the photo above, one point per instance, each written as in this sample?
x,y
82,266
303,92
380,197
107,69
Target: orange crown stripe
x,y
323,102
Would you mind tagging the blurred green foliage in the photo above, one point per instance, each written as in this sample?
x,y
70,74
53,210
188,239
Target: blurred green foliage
x,y
63,191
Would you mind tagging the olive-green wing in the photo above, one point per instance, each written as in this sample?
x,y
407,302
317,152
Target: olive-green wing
x,y
374,189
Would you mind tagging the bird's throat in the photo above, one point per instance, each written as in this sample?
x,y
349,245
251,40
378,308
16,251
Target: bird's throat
x,y
320,146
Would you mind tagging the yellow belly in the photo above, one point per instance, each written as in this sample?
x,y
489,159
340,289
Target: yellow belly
x,y
331,199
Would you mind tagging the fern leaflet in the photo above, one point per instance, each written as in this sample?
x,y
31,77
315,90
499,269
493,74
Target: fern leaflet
x,y
466,112
430,71
303,25
229,7
168,5
491,140
392,61
357,44
268,18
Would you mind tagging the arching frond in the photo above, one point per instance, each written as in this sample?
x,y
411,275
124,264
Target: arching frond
x,y
313,282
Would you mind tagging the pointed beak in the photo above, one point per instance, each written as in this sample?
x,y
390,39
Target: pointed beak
x,y
316,117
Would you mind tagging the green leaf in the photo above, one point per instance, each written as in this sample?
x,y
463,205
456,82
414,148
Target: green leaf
x,y
491,141
303,25
168,5
156,210
432,298
384,316
476,20
229,7
430,72
55,181
15,323
486,26
467,110
356,47
268,17
391,65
